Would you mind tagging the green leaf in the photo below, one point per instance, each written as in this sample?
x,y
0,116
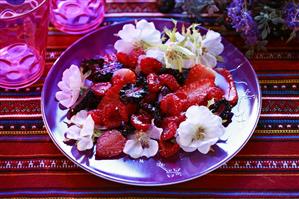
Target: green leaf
x,y
264,33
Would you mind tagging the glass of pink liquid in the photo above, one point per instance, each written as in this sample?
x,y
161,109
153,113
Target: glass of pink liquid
x,y
23,40
77,16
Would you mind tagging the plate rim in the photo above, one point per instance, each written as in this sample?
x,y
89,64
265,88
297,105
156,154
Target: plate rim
x,y
130,182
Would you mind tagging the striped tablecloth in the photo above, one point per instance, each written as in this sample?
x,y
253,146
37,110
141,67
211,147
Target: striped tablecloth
x,y
268,166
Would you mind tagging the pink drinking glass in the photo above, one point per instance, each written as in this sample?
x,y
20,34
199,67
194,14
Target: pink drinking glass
x,y
23,40
77,16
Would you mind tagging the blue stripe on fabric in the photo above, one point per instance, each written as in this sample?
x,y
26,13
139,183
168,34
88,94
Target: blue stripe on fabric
x,y
273,121
38,93
280,92
4,122
145,192
277,75
4,138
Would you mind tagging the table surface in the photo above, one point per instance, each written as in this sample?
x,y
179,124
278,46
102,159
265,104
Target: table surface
x,y
31,165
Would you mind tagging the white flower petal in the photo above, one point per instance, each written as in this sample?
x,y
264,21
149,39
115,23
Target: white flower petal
x,y
145,25
63,86
208,60
129,33
79,118
157,54
88,127
84,143
133,148
205,146
152,150
212,43
185,133
73,132
64,98
154,132
188,149
123,46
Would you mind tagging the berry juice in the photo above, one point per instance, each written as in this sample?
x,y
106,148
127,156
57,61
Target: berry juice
x,y
77,16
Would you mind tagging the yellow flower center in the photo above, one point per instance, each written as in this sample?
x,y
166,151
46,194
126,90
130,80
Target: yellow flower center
x,y
143,138
200,134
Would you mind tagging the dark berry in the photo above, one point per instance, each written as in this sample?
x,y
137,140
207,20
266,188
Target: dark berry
x,y
87,100
141,80
126,129
165,5
132,93
223,109
179,76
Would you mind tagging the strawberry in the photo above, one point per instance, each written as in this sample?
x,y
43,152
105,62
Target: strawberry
x,y
114,113
153,82
111,95
231,93
100,89
215,93
199,72
123,76
168,148
96,115
130,60
196,92
169,130
110,144
150,65
141,122
171,104
123,58
169,81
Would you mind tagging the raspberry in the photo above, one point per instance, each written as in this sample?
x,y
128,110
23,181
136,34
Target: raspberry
x,y
111,95
96,115
169,130
153,82
114,113
100,89
123,58
171,105
169,81
150,65
199,72
110,144
231,93
123,76
168,148
141,122
130,60
150,98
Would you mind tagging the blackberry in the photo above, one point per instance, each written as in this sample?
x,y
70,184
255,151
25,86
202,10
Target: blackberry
x,y
87,101
163,92
101,71
141,80
223,109
179,76
153,110
126,129
132,93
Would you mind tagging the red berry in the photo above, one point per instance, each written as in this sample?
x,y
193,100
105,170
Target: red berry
x,y
141,122
96,115
100,88
199,72
177,119
150,98
123,58
215,93
169,81
231,93
111,95
168,148
130,60
110,144
114,113
169,130
153,83
123,76
150,65
171,104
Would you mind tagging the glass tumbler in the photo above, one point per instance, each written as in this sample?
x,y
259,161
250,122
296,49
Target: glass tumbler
x,y
23,40
77,16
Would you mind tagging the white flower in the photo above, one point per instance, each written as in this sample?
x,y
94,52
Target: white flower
x,y
143,35
143,143
70,85
200,130
82,130
211,48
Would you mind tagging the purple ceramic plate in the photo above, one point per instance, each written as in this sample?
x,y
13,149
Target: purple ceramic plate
x,y
154,171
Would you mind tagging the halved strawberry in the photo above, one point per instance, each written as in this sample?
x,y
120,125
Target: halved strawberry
x,y
150,65
100,88
199,72
110,144
231,93
168,148
169,81
171,104
123,76
141,122
97,116
215,93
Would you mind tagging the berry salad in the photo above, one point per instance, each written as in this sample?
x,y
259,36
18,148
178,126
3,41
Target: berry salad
x,y
159,94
